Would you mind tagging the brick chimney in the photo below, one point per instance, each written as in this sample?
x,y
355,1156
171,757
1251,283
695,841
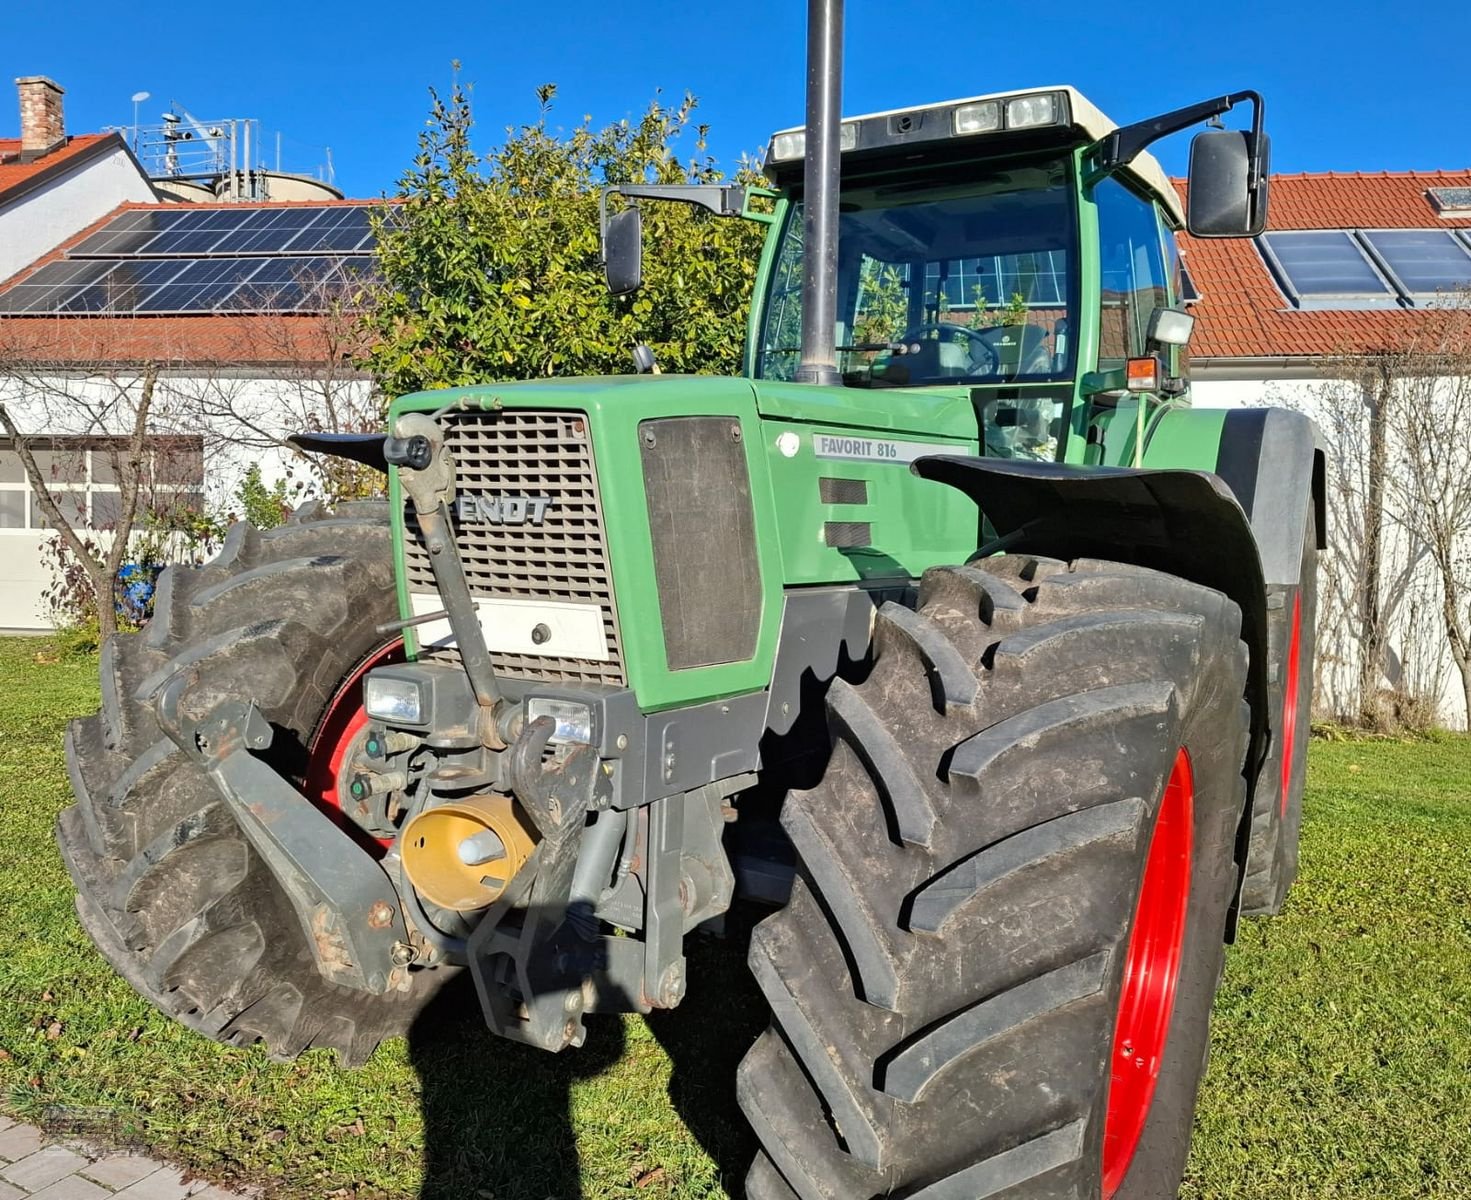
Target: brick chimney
x,y
42,128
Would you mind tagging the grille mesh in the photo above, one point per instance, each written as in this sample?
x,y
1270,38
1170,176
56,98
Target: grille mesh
x,y
842,491
520,453
847,534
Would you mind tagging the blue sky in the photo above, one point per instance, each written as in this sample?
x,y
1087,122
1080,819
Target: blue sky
x,y
1349,86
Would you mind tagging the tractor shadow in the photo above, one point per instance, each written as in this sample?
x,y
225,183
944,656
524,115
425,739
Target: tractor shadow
x,y
497,1119
707,1036
498,1115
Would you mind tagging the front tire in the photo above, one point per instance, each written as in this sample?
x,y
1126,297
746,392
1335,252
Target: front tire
x,y
168,886
963,989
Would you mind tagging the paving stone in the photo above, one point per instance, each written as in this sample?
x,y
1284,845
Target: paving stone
x,y
167,1183
73,1187
69,1172
119,1170
19,1141
35,1171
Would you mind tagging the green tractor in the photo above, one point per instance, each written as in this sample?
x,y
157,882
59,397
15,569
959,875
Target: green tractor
x,y
949,627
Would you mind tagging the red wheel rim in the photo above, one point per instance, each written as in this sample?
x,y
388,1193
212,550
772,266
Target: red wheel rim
x,y
328,755
1289,703
1151,975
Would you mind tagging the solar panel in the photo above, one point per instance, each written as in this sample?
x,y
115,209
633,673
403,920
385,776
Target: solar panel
x,y
153,286
110,240
1325,264
219,218
150,220
346,231
182,259
1425,262
192,233
51,282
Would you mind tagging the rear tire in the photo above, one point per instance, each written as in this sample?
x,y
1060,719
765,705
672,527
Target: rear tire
x,y
947,982
1276,818
167,884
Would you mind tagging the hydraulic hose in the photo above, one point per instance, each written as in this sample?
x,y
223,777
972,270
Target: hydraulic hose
x,y
600,844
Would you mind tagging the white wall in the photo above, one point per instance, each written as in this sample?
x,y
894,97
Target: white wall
x,y
1245,393
41,220
237,418
1419,659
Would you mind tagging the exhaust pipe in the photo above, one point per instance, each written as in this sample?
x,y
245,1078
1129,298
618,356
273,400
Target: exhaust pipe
x,y
820,193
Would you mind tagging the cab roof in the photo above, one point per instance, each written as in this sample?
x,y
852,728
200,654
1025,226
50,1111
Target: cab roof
x,y
934,123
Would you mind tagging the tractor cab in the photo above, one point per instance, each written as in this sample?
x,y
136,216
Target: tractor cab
x,y
1016,247
984,243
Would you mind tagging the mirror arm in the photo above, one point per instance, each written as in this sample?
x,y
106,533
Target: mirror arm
x,y
723,199
1122,146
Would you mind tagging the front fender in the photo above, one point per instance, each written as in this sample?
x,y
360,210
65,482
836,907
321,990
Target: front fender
x,y
365,448
1186,523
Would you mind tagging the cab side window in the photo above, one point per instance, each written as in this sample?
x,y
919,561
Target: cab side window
x,y
1134,276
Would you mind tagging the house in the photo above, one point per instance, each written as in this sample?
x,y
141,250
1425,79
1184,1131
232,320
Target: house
x,y
1351,266
228,315
51,184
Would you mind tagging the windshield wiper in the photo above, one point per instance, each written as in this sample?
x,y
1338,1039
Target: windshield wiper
x,y
894,347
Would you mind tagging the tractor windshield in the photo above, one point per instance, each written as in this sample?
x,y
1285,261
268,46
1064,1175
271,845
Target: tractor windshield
x,y
972,283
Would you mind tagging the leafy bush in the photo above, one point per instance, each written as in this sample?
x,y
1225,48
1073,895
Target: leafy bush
x,y
264,507
491,266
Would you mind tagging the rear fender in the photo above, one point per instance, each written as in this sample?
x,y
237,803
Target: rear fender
x,y
1272,459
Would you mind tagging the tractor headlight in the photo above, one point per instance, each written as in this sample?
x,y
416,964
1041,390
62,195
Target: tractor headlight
x,y
793,143
394,701
983,117
574,720
1025,111
785,146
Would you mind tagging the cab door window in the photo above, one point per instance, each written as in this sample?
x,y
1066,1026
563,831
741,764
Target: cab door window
x,y
1134,274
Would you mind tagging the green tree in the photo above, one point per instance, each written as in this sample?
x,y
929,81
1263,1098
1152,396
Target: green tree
x,y
491,268
264,507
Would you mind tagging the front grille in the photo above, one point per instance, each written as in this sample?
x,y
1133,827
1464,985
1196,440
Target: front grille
x,y
520,453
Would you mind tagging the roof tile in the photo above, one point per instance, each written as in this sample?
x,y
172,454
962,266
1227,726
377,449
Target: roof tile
x,y
13,172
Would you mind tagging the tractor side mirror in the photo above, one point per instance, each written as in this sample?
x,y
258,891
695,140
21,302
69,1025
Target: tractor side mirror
x,y
623,251
1225,199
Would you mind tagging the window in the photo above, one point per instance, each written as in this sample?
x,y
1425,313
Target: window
x,y
938,284
1451,201
1368,268
1189,293
1326,264
82,475
1132,258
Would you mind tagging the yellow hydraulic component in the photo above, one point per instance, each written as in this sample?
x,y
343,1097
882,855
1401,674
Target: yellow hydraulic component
x,y
462,855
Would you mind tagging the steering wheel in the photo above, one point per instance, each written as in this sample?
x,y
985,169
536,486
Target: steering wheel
x,y
975,339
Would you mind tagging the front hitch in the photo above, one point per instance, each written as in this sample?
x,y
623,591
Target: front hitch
x,y
536,970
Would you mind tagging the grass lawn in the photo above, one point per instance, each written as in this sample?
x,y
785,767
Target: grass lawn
x,y
1341,1056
